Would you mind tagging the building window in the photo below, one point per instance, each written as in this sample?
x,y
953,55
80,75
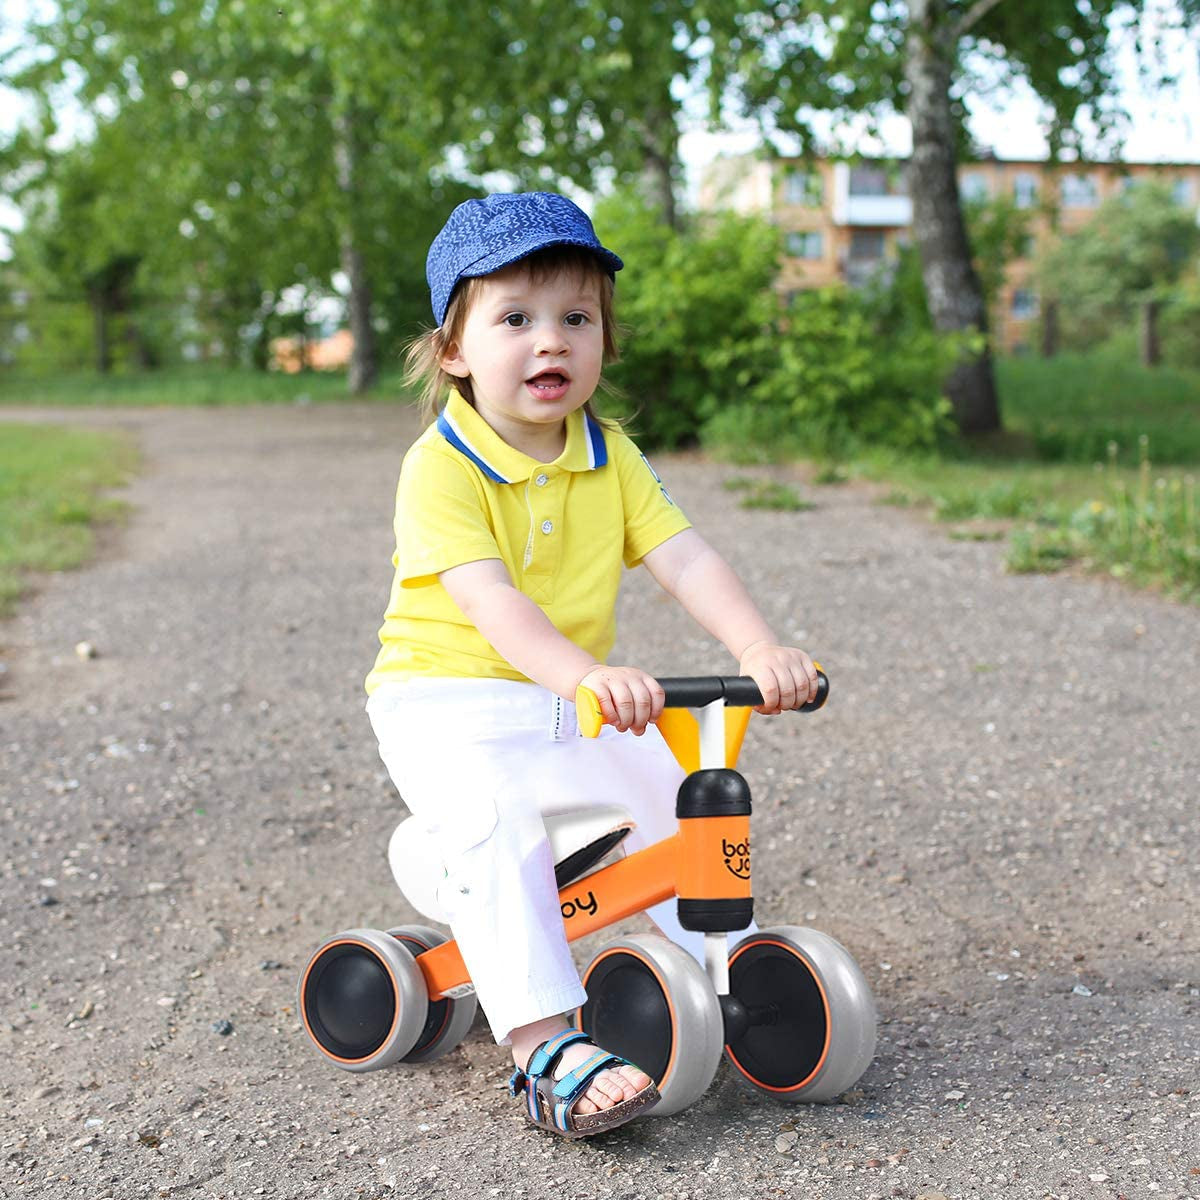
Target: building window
x,y
973,186
1079,191
1181,191
804,188
1025,190
866,245
1024,304
806,243
869,181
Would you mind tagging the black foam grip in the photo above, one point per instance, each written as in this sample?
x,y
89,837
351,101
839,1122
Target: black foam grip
x,y
738,691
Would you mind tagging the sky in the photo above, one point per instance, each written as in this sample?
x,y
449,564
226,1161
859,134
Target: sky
x,y
1163,126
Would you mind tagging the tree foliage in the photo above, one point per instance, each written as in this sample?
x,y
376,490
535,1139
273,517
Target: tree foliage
x,y
1128,258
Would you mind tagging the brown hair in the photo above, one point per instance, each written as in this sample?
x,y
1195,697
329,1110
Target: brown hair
x,y
423,358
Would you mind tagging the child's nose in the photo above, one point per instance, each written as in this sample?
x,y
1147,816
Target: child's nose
x,y
552,341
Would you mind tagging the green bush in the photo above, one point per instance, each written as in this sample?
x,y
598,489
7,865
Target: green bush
x,y
838,378
709,351
693,306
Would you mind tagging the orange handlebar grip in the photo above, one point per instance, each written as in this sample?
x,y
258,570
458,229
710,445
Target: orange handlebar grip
x,y
587,712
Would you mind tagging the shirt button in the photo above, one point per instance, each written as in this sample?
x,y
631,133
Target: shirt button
x,y
547,526
542,480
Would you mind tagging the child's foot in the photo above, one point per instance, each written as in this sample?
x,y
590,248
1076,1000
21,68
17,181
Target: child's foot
x,y
572,1086
609,1087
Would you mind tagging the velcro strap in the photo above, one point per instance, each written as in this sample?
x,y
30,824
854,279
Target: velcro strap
x,y
573,1082
547,1054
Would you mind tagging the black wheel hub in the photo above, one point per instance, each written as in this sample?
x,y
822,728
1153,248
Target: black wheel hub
x,y
627,1013
349,1001
787,1027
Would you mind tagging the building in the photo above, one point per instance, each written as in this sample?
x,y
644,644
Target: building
x,y
843,221
293,354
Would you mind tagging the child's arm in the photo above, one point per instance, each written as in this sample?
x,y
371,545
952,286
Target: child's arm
x,y
527,638
689,569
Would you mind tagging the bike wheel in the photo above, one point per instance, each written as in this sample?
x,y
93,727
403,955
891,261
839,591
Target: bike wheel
x,y
362,1000
651,1002
810,1028
447,1021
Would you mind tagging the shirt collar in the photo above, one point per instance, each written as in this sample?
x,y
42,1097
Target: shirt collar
x,y
474,438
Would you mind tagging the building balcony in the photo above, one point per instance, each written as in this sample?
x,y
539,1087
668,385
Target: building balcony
x,y
868,198
877,211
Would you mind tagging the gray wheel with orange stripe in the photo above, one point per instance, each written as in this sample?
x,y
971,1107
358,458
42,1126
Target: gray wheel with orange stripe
x,y
802,1025
447,1021
651,1002
362,1000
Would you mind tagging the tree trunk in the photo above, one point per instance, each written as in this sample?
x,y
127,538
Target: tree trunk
x,y
103,342
364,357
143,355
1049,328
659,137
1151,347
955,296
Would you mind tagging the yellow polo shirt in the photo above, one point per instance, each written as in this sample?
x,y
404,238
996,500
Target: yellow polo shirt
x,y
562,529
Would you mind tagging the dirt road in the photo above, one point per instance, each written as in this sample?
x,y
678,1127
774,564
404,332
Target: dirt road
x,y
996,813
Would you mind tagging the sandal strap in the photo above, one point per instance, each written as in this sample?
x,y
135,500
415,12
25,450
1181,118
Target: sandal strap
x,y
544,1058
569,1088
541,1062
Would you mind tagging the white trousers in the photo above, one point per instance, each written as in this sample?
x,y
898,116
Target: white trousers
x,y
480,762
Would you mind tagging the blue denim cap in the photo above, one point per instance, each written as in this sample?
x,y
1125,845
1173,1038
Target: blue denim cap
x,y
485,235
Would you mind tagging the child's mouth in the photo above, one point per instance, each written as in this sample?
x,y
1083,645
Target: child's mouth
x,y
548,385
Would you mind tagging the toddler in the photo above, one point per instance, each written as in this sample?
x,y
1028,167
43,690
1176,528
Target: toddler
x,y
515,512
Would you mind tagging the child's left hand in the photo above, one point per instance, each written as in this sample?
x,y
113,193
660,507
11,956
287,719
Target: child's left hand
x,y
786,676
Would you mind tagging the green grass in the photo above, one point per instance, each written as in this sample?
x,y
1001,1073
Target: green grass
x,y
51,485
1071,407
202,385
1096,470
767,493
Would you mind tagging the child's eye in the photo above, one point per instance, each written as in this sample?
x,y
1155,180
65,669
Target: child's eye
x,y
515,320
577,319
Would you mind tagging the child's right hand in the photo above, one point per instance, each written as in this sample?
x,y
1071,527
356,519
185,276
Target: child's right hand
x,y
629,698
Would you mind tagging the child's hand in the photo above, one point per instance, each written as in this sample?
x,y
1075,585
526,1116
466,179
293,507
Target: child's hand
x,y
785,676
629,698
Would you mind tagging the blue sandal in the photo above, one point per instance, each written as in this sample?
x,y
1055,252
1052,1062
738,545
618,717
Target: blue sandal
x,y
548,1101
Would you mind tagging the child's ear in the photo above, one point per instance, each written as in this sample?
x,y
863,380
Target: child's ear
x,y
453,363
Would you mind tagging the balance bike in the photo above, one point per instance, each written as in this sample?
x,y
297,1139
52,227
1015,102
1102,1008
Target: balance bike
x,y
788,1005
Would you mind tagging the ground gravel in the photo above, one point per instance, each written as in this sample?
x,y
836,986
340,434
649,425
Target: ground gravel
x,y
996,813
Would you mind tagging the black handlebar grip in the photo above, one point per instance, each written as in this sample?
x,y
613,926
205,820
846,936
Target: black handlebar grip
x,y
822,693
738,691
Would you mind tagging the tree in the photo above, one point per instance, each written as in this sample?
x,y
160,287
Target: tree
x,y
327,134
90,231
786,58
1126,260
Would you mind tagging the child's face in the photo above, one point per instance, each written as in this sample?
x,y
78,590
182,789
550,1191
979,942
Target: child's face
x,y
533,351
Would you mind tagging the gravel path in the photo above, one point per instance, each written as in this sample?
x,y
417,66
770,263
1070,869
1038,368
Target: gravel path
x,y
996,814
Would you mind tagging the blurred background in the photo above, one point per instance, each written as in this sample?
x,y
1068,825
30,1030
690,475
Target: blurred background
x,y
948,244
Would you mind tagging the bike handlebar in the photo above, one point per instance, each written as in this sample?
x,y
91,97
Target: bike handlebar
x,y
695,691
738,691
